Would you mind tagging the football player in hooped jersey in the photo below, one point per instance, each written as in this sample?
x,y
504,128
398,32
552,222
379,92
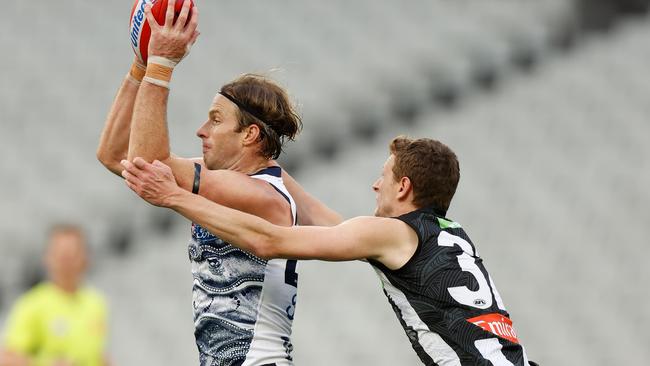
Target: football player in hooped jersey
x,y
432,275
243,304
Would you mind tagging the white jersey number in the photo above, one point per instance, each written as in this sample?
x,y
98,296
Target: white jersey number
x,y
481,298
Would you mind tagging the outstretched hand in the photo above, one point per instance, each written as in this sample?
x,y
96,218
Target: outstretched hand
x,y
155,183
173,39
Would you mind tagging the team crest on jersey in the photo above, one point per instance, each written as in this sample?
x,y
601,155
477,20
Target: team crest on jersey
x,y
199,233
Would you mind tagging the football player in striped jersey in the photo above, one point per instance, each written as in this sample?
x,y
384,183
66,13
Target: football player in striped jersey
x,y
432,274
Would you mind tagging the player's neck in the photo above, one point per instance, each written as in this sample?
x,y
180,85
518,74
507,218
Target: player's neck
x,y
251,164
403,208
66,287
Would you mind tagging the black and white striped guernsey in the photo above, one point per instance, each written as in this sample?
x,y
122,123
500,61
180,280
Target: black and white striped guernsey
x,y
446,301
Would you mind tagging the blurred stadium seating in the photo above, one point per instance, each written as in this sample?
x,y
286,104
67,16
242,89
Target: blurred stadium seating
x,y
552,143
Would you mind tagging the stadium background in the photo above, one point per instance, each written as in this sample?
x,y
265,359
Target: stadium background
x,y
546,103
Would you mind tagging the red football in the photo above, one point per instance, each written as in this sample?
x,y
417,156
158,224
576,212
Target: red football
x,y
139,29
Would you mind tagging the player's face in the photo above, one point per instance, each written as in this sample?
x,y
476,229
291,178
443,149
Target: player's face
x,y
386,188
66,258
222,146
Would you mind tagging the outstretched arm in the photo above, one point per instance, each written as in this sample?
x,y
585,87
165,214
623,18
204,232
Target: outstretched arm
x,y
114,140
387,240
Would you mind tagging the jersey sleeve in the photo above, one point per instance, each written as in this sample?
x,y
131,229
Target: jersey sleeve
x,y
21,331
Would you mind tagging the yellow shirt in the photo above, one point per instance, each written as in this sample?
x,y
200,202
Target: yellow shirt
x,y
48,324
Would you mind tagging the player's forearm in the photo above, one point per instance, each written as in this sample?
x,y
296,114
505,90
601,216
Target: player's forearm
x,y
114,140
314,212
311,211
149,137
265,240
245,231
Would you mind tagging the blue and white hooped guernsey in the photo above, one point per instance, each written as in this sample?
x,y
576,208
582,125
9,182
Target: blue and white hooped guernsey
x,y
243,305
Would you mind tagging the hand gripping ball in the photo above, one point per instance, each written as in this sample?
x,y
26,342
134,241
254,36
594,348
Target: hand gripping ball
x,y
139,29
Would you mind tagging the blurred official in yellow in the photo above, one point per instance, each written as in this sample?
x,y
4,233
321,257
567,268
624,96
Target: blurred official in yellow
x,y
59,322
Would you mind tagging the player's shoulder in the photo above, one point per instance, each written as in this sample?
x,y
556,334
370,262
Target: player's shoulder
x,y
255,195
34,297
25,299
393,241
271,185
227,176
431,218
379,221
234,183
38,292
92,295
375,221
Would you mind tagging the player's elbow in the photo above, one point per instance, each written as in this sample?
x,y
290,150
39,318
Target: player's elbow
x,y
101,155
266,246
103,158
109,161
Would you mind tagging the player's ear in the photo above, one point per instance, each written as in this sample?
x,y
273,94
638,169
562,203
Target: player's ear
x,y
404,189
251,134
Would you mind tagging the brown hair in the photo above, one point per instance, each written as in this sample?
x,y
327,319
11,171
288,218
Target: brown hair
x,y
432,168
264,103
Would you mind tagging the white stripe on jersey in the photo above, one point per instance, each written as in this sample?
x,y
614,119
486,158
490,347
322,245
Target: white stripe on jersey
x,y
441,353
272,331
497,296
279,184
271,335
490,349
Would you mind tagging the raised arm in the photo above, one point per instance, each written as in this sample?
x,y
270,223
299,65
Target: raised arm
x,y
114,140
151,140
169,43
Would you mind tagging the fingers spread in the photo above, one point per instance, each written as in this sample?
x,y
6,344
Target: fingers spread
x,y
153,24
182,17
169,15
194,20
